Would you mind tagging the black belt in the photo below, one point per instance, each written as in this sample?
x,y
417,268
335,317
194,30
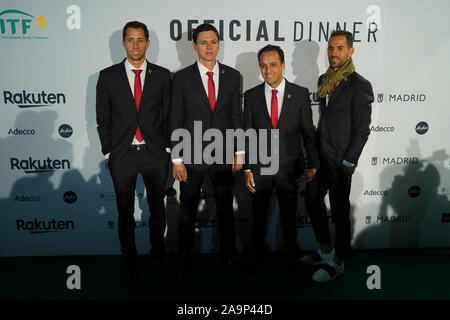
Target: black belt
x,y
138,147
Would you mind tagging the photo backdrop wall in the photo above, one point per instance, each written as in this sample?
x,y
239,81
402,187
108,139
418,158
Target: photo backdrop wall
x,y
56,196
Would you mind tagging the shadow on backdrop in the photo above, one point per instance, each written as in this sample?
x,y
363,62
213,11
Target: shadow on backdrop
x,y
412,212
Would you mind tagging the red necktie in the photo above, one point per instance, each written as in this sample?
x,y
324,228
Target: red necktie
x,y
137,98
211,90
274,109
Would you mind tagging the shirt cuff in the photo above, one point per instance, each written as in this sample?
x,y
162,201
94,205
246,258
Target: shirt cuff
x,y
348,164
177,161
237,153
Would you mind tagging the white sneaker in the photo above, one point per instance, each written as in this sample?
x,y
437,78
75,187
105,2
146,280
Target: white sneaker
x,y
328,272
317,258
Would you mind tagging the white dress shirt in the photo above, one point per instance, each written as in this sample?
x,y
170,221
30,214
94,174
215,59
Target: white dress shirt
x,y
130,75
203,70
280,96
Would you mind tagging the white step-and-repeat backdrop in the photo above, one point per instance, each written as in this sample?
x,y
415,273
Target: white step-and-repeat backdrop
x,y
56,196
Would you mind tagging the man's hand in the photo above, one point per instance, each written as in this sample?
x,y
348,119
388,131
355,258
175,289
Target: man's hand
x,y
310,173
238,162
179,172
249,182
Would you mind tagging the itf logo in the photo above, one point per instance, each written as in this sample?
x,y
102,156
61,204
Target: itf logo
x,y
16,24
422,128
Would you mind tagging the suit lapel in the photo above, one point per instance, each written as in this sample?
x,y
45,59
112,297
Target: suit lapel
x,y
147,85
262,103
287,101
199,85
223,77
126,84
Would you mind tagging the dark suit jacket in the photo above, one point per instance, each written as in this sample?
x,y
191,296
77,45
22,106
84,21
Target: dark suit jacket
x,y
117,117
190,102
344,124
295,127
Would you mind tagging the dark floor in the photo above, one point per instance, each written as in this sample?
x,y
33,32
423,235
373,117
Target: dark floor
x,y
405,275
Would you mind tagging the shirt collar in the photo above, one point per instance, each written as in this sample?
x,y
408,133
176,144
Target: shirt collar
x,y
129,66
203,70
280,87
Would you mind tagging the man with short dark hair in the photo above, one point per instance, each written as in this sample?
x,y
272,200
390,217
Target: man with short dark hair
x,y
279,104
133,100
205,93
345,115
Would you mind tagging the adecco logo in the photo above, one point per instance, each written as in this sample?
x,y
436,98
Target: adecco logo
x,y
382,129
21,132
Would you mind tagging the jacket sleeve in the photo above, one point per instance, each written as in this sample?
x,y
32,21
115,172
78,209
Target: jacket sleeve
x,y
236,107
176,116
166,109
103,111
248,124
308,133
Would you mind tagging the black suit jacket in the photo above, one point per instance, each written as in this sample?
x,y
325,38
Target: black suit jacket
x,y
117,117
190,103
344,124
295,126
